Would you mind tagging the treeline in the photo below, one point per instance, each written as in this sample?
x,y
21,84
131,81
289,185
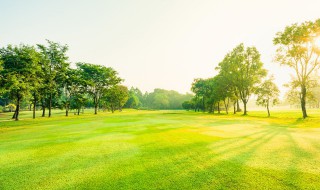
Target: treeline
x,y
42,76
158,99
241,74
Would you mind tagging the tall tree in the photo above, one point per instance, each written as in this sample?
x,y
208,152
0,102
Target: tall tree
x,y
54,66
73,87
200,88
268,94
297,49
116,97
99,79
20,66
245,69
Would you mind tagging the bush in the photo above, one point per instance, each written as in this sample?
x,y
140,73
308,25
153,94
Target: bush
x,y
9,108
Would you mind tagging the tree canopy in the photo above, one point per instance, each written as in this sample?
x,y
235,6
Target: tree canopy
x,y
297,48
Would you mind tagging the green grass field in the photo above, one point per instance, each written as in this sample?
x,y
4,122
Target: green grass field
x,y
161,150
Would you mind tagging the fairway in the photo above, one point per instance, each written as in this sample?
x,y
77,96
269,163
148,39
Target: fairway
x,y
161,150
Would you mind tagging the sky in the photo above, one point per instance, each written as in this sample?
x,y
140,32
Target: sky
x,y
156,43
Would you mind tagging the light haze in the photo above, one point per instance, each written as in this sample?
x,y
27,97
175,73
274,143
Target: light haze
x,y
156,43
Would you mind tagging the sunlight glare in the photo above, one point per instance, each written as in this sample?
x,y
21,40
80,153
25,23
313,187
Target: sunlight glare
x,y
317,41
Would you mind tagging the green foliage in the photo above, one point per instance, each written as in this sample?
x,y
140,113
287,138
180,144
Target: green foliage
x,y
188,105
268,94
54,64
20,68
165,99
242,70
135,98
98,80
116,97
296,48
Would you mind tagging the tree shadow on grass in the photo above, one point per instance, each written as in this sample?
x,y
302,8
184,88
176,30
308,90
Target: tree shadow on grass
x,y
197,167
184,171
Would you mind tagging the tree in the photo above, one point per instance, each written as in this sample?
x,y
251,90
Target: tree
x,y
267,93
73,88
20,66
228,71
99,79
116,97
199,87
136,99
244,68
54,66
297,49
294,94
188,105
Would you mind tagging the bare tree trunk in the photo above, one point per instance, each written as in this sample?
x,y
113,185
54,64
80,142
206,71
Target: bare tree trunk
x,y
50,104
226,105
268,108
17,109
244,107
43,111
238,106
234,107
34,106
218,107
95,109
203,108
14,113
67,110
303,101
213,108
79,111
95,101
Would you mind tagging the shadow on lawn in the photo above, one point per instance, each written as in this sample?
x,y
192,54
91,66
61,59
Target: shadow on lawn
x,y
196,166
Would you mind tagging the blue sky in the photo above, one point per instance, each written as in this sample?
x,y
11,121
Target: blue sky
x,y
155,43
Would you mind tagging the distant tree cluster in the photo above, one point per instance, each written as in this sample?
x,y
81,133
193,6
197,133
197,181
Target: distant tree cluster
x,y
241,74
41,76
158,99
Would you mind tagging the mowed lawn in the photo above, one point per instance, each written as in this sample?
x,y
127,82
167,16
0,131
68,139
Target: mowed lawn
x,y
161,150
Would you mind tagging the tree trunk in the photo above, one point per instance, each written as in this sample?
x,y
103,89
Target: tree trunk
x,y
43,111
95,109
67,110
203,109
34,107
17,109
14,114
226,105
238,106
79,111
234,107
218,107
112,108
95,101
244,107
50,104
268,108
303,101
